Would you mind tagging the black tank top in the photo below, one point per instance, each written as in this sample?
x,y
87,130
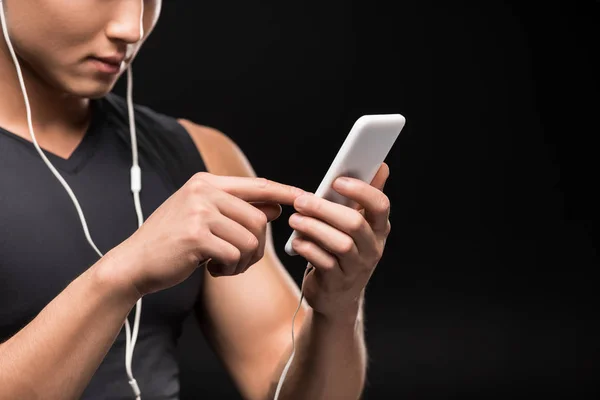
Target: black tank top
x,y
43,247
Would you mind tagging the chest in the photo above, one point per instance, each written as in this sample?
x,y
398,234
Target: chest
x,y
42,242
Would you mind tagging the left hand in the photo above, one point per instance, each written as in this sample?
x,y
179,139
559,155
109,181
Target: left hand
x,y
343,244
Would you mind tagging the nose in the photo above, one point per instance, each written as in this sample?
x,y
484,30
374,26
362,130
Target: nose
x,y
127,25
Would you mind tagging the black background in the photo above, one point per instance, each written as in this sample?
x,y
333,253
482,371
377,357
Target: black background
x,y
486,288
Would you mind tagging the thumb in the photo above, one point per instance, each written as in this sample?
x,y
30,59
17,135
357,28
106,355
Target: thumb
x,y
271,210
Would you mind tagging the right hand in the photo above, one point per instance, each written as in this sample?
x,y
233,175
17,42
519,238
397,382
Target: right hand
x,y
210,217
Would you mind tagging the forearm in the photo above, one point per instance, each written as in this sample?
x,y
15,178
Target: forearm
x,y
57,353
330,360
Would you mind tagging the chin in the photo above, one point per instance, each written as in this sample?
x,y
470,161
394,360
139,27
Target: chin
x,y
91,88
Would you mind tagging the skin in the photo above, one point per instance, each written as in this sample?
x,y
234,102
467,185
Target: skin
x,y
219,221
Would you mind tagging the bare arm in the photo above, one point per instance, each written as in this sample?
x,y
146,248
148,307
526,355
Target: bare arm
x,y
247,318
57,353
330,360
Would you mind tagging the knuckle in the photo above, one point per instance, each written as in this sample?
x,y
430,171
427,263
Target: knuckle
x,y
383,203
330,264
388,228
195,233
202,175
346,246
259,219
198,182
251,244
262,183
232,257
356,222
190,235
203,212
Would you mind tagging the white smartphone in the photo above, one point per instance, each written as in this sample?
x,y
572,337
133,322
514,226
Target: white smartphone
x,y
362,153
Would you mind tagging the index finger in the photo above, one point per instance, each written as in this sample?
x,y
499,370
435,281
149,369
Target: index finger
x,y
376,204
254,189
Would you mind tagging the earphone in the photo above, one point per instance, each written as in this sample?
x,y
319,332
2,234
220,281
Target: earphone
x,y
136,185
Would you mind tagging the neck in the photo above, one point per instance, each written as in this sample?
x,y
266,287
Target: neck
x,y
54,113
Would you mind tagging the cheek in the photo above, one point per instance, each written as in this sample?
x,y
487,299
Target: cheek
x,y
56,31
50,54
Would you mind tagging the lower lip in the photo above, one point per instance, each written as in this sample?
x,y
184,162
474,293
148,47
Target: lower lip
x,y
104,67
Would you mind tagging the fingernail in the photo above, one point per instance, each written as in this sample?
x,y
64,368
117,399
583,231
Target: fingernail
x,y
342,181
295,218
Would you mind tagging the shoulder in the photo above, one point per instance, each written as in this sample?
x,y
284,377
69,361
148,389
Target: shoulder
x,y
144,115
220,153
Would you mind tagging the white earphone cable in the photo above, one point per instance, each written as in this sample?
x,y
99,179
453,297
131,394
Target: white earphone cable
x,y
136,185
289,363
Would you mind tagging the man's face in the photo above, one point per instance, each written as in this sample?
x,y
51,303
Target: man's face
x,y
80,47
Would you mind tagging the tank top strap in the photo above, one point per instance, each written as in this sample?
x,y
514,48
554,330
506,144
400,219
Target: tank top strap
x,y
160,138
